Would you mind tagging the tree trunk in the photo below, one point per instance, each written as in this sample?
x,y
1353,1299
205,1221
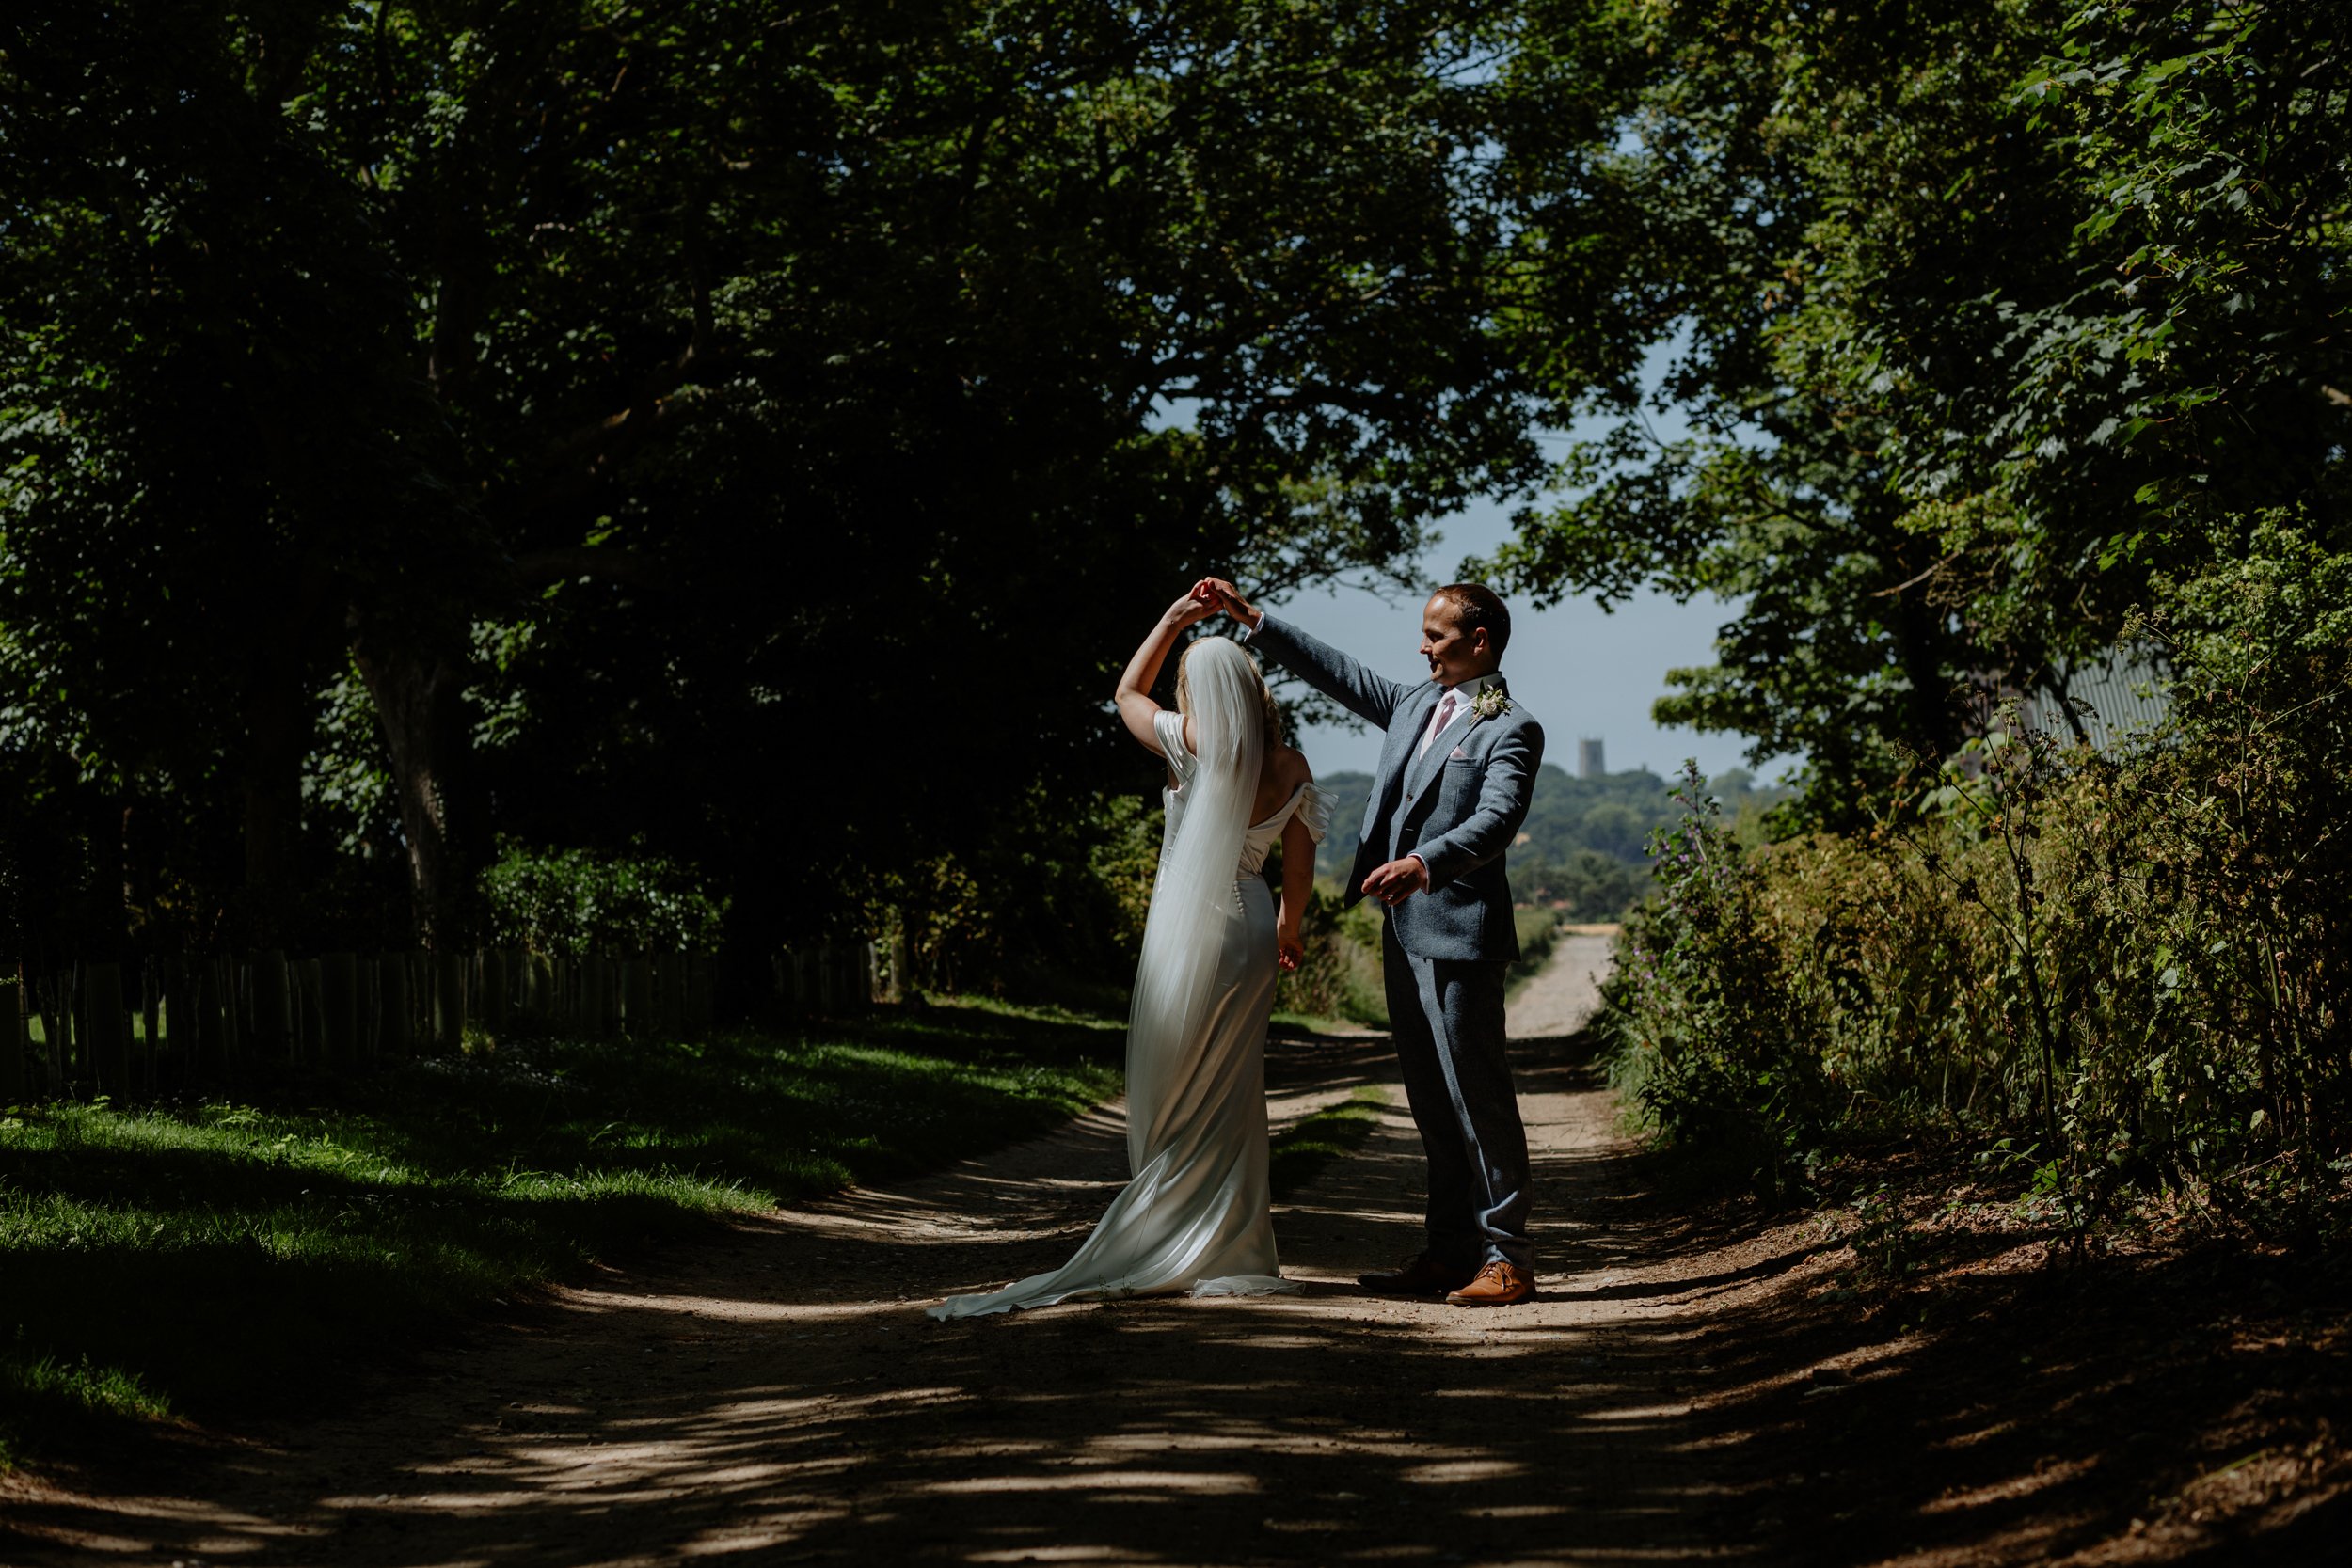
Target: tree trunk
x,y
277,723
1935,720
419,696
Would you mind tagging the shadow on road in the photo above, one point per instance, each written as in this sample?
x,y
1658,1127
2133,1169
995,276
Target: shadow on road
x,y
785,1395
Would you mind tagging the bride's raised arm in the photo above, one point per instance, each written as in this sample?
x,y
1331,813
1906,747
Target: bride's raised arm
x,y
1136,707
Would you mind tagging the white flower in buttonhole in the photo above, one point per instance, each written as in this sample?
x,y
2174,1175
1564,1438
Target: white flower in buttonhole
x,y
1490,702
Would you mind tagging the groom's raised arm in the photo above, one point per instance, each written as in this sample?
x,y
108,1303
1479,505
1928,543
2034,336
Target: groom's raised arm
x,y
1327,670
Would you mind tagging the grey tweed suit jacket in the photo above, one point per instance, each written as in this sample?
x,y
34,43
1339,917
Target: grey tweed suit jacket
x,y
1457,806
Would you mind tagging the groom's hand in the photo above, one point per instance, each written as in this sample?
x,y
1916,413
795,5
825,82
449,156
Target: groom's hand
x,y
1397,880
1228,599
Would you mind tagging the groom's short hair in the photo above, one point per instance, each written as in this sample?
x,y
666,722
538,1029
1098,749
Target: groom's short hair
x,y
1477,605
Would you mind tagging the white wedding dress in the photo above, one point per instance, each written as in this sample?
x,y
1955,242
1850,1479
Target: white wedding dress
x,y
1197,1215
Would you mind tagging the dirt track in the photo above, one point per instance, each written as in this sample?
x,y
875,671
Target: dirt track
x,y
781,1392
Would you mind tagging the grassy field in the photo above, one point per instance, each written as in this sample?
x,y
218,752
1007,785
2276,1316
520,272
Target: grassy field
x,y
230,1254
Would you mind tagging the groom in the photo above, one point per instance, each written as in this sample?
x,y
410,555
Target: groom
x,y
1452,787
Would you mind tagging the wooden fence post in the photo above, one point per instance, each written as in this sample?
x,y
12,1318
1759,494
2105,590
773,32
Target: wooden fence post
x,y
339,1007
671,980
366,1013
299,1045
594,1017
423,987
210,1033
177,1044
57,1024
496,978
698,991
396,993
302,976
12,1043
273,1007
236,985
150,1017
57,1027
449,1002
637,998
107,1028
312,988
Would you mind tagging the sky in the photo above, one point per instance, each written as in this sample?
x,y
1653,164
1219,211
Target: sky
x,y
1582,673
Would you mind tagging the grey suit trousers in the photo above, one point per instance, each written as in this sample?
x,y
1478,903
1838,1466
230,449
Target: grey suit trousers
x,y
1447,1017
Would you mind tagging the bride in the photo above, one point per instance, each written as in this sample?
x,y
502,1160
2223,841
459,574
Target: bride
x,y
1196,1214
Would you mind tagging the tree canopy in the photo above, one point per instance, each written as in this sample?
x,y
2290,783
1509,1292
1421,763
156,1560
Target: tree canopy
x,y
1993,314
590,421
748,441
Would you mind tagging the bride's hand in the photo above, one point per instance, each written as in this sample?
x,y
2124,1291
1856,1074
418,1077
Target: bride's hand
x,y
1191,608
1289,951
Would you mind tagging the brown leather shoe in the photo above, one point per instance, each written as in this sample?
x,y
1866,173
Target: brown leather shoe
x,y
1498,1284
1416,1276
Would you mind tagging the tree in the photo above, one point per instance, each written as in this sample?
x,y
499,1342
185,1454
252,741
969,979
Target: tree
x,y
212,452
1991,311
641,403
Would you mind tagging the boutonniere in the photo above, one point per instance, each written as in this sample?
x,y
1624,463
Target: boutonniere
x,y
1490,702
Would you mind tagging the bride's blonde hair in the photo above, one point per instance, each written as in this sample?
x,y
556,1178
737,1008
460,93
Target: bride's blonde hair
x,y
1265,697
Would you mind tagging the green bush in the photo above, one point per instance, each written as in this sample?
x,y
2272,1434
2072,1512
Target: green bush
x,y
1341,974
571,902
1700,1031
2132,965
1055,897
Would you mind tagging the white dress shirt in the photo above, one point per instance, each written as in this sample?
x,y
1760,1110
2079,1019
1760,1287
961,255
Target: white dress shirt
x,y
1441,719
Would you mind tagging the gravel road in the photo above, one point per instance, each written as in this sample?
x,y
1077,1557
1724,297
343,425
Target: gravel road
x,y
780,1392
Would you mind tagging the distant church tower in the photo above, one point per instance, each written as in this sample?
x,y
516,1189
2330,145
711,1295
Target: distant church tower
x,y
1588,762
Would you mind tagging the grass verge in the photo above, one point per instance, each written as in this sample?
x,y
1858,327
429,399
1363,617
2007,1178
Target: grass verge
x,y
208,1258
1301,1151
1539,933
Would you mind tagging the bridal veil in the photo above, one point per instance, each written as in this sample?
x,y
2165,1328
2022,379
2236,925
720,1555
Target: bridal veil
x,y
1194,901
1197,1214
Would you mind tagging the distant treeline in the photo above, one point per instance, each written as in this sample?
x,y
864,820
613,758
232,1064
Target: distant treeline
x,y
1582,845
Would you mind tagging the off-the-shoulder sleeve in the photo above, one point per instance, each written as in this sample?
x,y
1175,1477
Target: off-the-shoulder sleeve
x,y
1314,810
1170,727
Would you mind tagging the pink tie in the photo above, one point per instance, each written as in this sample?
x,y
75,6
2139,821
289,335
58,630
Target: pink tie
x,y
1436,725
